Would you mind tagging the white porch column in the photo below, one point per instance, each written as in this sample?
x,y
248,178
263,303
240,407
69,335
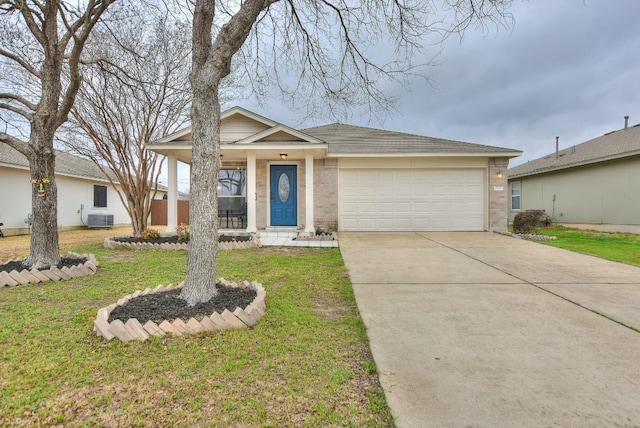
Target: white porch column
x,y
172,196
308,192
251,192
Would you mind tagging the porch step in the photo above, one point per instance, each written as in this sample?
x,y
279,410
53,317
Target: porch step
x,y
279,232
289,234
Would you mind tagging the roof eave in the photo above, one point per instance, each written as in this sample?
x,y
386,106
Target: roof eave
x,y
61,174
256,146
418,154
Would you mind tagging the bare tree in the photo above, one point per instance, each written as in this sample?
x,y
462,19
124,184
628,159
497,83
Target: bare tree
x,y
41,39
136,90
328,51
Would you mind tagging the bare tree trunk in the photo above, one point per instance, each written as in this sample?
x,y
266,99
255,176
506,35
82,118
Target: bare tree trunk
x,y
203,207
211,62
44,200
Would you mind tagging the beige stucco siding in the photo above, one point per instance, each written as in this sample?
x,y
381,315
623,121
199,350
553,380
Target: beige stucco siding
x,y
604,193
72,192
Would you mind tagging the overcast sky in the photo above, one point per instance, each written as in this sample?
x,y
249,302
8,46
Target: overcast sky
x,y
569,68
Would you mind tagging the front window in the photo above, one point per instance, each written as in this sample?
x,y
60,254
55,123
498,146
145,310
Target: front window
x,y
515,196
232,182
232,196
99,196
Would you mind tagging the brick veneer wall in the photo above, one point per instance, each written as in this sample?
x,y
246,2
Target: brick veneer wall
x,y
498,199
325,203
262,190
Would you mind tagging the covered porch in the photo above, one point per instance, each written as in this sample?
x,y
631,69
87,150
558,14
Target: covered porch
x,y
257,189
267,176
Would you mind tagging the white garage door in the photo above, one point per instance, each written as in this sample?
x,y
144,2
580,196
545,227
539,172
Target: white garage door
x,y
411,199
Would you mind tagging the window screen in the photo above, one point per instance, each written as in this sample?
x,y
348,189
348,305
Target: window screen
x,y
99,196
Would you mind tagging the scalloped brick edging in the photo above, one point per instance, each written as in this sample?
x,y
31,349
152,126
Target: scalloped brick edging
x,y
35,276
112,244
527,236
314,238
133,330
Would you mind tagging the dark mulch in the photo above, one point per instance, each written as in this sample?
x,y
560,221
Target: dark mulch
x,y
65,261
177,240
158,307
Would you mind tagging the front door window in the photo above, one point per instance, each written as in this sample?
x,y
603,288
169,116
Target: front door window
x,y
283,187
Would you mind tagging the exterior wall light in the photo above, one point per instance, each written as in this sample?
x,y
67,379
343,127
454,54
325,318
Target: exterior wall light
x,y
283,156
499,174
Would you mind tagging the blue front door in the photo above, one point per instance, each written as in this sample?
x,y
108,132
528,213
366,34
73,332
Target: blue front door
x,y
284,198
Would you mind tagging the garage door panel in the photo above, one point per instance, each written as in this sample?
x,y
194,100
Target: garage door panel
x,y
350,208
367,208
419,199
404,207
349,191
403,224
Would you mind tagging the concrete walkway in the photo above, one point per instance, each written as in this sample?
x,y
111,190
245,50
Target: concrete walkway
x,y
484,330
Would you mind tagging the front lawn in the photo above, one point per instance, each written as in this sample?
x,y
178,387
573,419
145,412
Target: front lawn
x,y
620,247
307,362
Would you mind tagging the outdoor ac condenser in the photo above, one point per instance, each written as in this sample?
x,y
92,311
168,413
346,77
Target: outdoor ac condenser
x,y
100,221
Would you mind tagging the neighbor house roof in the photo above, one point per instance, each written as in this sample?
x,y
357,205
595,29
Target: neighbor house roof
x,y
66,163
357,140
613,145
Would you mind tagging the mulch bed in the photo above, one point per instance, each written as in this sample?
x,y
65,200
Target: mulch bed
x,y
19,266
166,305
177,240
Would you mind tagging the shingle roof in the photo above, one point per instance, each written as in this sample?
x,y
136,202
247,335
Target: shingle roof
x,y
349,139
66,164
613,145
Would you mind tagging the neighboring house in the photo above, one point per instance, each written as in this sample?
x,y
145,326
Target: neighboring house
x,y
349,178
82,190
594,185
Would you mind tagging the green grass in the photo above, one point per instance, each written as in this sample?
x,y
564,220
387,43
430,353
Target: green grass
x,y
307,362
620,247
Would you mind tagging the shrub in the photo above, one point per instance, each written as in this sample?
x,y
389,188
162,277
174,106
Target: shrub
x,y
183,232
526,221
150,234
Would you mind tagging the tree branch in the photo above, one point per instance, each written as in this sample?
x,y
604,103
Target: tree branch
x,y
31,106
22,62
21,146
30,20
27,115
89,19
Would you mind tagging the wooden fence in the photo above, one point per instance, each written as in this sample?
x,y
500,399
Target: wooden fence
x,y
159,212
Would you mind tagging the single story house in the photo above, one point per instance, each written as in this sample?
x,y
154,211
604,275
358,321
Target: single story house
x,y
83,190
349,178
592,185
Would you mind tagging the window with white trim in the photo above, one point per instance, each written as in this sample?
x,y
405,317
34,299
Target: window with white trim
x,y
515,195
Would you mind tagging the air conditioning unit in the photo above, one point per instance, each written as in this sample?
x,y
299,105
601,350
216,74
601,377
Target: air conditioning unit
x,y
100,221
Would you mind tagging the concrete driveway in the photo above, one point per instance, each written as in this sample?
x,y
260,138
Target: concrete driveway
x,y
484,330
